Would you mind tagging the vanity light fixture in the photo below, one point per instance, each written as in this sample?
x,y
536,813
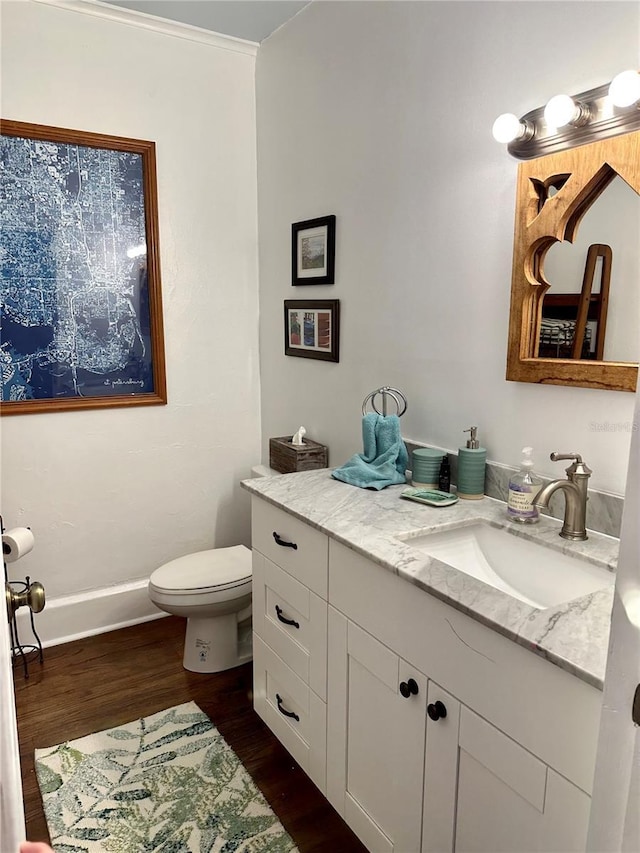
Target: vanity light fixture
x,y
568,121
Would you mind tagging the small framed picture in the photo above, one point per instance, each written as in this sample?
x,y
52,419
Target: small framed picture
x,y
312,328
313,246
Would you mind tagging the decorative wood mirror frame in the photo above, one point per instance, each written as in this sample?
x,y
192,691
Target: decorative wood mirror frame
x,y
580,175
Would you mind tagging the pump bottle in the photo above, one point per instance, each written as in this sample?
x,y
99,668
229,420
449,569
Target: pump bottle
x,y
524,485
472,461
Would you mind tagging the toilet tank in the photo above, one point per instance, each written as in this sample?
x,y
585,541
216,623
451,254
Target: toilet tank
x,y
263,471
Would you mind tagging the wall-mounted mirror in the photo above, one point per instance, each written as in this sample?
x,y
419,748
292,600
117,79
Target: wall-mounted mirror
x,y
575,293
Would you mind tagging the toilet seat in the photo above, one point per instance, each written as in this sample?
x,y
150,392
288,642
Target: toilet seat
x,y
204,572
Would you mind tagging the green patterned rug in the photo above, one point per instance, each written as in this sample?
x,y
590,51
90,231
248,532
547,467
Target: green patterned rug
x,y
167,783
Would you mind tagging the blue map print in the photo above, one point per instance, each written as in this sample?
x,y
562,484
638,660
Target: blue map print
x,y
74,303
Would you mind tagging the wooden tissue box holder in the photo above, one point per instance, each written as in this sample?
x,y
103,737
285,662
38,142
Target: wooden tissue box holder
x,y
287,458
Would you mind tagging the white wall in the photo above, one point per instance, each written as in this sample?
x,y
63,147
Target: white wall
x,y
111,494
381,113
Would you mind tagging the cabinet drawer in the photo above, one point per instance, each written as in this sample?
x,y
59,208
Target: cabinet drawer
x,y
292,711
307,561
292,620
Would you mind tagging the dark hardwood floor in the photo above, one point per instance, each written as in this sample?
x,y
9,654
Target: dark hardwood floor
x,y
110,679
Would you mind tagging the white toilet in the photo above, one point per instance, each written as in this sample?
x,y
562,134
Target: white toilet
x,y
213,590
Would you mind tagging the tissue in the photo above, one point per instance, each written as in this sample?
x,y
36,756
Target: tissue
x,y
298,437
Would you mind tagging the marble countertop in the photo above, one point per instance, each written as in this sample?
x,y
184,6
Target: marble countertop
x,y
573,636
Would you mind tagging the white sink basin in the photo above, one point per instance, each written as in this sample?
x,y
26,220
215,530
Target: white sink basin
x,y
534,574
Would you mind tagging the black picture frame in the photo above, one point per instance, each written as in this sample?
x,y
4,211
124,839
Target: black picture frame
x,y
312,328
313,251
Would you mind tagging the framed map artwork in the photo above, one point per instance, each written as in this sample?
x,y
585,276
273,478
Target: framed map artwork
x,y
80,298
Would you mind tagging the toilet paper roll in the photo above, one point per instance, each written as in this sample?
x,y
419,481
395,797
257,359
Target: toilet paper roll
x,y
16,543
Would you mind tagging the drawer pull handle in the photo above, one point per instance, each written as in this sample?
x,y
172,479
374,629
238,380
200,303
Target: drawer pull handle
x,y
409,688
437,711
284,618
284,710
283,542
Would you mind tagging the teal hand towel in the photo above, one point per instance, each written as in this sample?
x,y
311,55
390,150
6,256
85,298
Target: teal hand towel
x,y
384,460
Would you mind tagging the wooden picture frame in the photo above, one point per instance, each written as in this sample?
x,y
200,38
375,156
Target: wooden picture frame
x,y
578,177
313,250
81,304
312,328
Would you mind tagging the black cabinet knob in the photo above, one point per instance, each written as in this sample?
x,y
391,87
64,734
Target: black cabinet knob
x,y
437,710
409,688
635,708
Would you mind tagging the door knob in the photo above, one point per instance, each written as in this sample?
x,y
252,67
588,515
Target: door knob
x,y
437,710
409,688
31,595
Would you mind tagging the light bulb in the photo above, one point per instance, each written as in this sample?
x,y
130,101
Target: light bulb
x,y
625,88
507,127
560,110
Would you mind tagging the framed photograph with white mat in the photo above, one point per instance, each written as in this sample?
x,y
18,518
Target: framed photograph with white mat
x,y
313,247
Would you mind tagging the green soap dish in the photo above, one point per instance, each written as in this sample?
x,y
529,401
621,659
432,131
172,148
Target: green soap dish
x,y
432,497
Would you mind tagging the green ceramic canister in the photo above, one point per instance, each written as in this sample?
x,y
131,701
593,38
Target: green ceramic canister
x,y
425,467
472,461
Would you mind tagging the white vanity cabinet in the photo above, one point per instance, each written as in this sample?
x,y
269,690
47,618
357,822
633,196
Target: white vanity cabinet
x,y
507,767
440,734
410,768
290,573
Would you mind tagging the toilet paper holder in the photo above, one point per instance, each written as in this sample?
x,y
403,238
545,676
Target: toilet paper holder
x,y
18,594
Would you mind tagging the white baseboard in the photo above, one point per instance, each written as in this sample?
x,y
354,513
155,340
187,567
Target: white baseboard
x,y
72,617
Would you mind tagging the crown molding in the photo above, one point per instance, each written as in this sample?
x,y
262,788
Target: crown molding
x,y
158,25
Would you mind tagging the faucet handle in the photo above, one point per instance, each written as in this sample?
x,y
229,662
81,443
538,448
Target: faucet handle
x,y
578,467
557,457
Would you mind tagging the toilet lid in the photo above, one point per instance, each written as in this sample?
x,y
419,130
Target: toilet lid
x,y
220,568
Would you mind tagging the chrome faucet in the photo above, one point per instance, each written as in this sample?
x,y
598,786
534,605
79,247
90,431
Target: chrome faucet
x,y
575,495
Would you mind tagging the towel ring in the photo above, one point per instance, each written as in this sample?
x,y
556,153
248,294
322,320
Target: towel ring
x,y
384,392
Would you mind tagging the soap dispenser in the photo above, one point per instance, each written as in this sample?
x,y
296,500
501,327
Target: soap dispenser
x,y
472,461
524,485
